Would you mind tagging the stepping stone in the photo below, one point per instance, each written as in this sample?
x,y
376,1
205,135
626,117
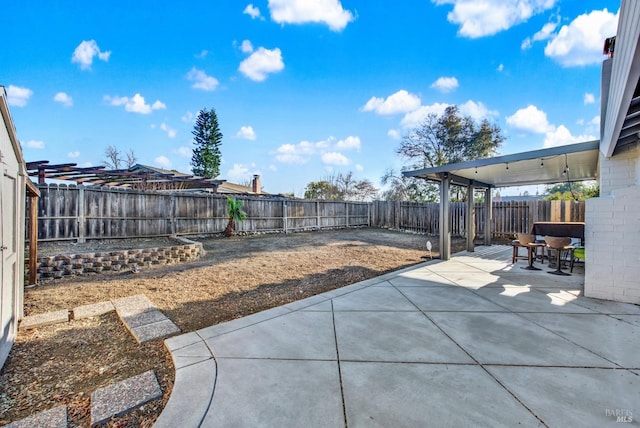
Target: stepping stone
x,y
47,318
87,311
122,397
143,319
53,418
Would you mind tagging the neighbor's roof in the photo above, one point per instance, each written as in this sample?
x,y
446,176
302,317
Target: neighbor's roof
x,y
545,166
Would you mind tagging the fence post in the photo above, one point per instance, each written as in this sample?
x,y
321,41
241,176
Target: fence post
x,y
369,214
80,215
318,215
172,214
346,206
284,216
488,213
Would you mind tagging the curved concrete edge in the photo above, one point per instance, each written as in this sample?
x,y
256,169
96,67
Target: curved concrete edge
x,y
195,380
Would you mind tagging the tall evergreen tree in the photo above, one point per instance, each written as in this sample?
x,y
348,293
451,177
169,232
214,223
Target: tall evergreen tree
x,y
205,161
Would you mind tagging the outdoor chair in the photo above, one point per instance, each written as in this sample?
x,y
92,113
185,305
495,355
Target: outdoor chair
x,y
559,245
516,245
529,241
578,257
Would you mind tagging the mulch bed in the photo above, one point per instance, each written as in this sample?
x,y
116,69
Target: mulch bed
x,y
64,363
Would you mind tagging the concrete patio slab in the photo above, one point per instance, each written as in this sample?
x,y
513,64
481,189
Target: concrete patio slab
x,y
631,319
608,307
297,335
227,327
601,334
325,306
504,338
402,336
524,299
566,397
405,350
448,299
276,393
415,395
191,397
373,299
432,280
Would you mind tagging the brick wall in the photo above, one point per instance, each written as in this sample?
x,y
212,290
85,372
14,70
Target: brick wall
x,y
612,243
621,170
113,261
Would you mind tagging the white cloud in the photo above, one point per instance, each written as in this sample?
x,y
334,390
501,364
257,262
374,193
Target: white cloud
x,y
328,150
477,110
359,167
252,11
272,168
136,104
589,98
595,120
580,42
203,54
86,51
488,17
201,80
399,102
241,172
246,133
414,118
34,144
349,143
561,136
544,34
18,96
445,84
157,105
394,134
261,62
301,152
183,151
329,12
188,117
334,158
530,119
171,133
63,99
246,46
500,68
163,161
73,154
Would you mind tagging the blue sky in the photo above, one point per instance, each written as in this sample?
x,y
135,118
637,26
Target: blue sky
x,y
302,88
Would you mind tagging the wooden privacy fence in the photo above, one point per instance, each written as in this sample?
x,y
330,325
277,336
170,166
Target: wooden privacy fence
x,y
80,213
508,218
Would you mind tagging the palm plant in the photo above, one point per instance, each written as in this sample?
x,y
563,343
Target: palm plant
x,y
234,209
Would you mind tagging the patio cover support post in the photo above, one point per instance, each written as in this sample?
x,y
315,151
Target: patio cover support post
x,y
471,217
487,216
445,218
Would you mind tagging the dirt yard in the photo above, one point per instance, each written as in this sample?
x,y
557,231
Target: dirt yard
x,y
238,276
